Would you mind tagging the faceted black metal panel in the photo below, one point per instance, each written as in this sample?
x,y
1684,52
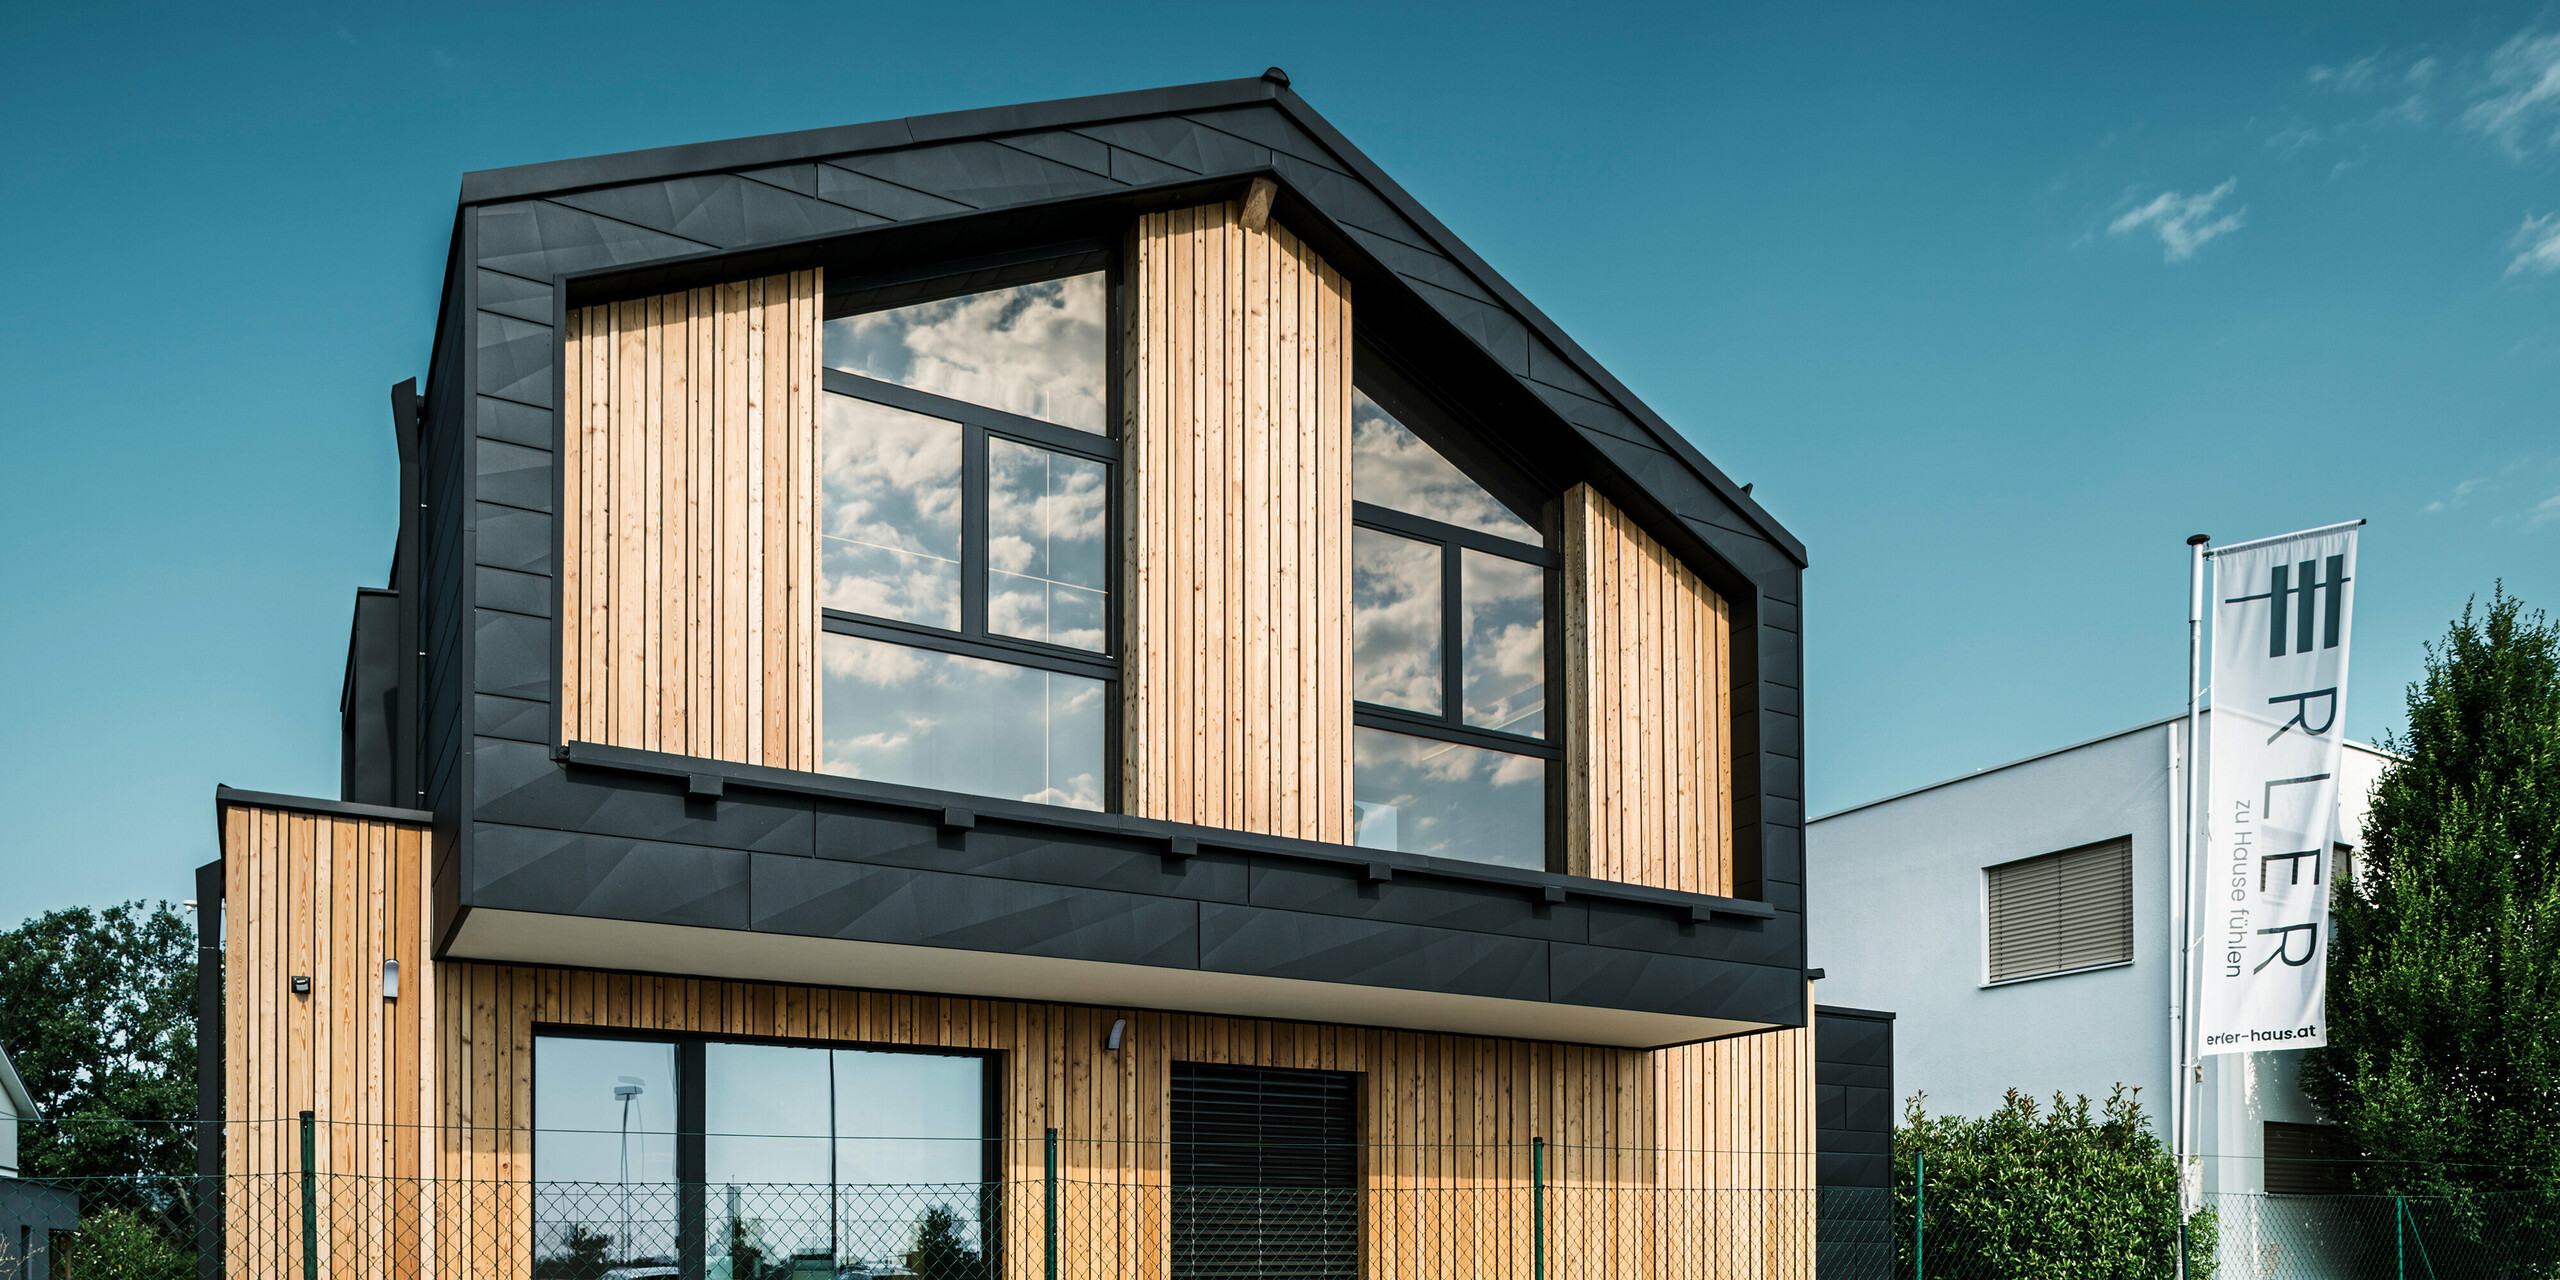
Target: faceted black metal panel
x,y
980,175
514,359
822,897
1623,924
886,199
514,654
1344,891
721,209
1854,1102
907,838
512,718
514,423
521,784
515,475
1182,144
513,538
525,593
1088,154
1265,127
542,240
1676,984
613,877
514,296
1293,944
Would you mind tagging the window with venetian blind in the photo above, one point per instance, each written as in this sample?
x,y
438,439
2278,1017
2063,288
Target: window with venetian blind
x,y
2062,912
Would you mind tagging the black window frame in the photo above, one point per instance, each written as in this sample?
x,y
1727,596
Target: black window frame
x,y
978,425
693,1110
1436,426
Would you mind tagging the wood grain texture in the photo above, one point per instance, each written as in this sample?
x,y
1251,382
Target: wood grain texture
x,y
1236,706
689,523
331,899
1648,699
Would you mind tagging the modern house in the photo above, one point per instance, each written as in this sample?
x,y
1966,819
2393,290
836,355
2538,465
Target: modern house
x,y
2017,918
1079,687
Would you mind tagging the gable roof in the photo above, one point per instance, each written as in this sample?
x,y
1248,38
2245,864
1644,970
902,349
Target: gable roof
x,y
569,217
15,1089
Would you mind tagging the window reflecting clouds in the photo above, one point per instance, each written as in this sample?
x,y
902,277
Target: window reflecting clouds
x,y
1046,526
890,528
604,1151
1392,467
765,1113
923,718
1421,795
1395,621
1504,656
1038,350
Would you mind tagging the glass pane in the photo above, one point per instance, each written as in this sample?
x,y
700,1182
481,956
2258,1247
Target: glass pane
x,y
765,1149
1036,349
923,719
909,1159
1504,653
1392,467
890,528
1045,545
1395,621
604,1153
1418,795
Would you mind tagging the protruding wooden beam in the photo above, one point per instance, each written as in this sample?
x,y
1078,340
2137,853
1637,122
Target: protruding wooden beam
x,y
1257,203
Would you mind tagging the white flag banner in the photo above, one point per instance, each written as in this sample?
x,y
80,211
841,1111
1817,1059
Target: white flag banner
x,y
2280,628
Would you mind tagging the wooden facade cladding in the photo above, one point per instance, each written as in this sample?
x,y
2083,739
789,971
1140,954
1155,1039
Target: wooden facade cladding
x,y
1236,545
688,523
329,899
1648,659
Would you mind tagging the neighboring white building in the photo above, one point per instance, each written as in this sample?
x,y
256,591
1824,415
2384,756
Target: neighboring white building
x,y
15,1105
2077,997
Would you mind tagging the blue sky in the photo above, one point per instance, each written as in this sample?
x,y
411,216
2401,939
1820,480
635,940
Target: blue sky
x,y
1993,303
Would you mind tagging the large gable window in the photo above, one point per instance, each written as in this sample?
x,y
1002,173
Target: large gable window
x,y
965,534
1449,595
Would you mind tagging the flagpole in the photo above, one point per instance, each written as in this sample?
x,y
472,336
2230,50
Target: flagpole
x,y
2181,1105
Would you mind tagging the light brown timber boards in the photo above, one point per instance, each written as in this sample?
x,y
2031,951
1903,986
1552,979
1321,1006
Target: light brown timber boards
x,y
1235,418
691,607
1648,740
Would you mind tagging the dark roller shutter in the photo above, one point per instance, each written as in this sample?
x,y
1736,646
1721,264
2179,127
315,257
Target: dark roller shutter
x,y
2309,1160
2063,911
1266,1172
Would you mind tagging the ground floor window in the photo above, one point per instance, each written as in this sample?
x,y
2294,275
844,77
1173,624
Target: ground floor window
x,y
731,1160
1266,1169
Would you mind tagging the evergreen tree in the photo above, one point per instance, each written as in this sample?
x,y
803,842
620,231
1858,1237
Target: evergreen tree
x,y
2444,966
942,1251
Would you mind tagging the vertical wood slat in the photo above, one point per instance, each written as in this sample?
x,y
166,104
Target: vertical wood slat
x,y
1648,708
689,522
1236,413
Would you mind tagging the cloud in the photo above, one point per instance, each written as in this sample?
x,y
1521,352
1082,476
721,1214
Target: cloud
x,y
2524,93
2461,493
2544,512
2536,245
2184,223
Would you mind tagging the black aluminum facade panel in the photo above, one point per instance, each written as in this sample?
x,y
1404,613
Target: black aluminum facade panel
x,y
1683,985
613,877
514,423
1137,170
883,199
519,784
514,360
1088,154
513,538
1854,1108
515,475
1008,851
1323,948
723,210
543,240
979,174
1417,900
1182,144
512,718
368,711
514,296
513,655
825,898
1263,125
525,593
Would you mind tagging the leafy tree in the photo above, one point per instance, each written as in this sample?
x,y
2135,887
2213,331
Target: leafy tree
x,y
121,1243
97,1010
2444,965
2036,1194
942,1249
581,1256
746,1248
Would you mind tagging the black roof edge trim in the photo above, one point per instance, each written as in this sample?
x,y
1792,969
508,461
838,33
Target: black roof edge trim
x,y
794,782
1843,1011
1367,170
557,177
311,804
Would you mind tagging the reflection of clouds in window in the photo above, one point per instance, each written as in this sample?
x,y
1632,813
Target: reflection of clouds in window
x,y
593,1176
1392,467
1420,795
927,719
1395,621
890,527
1035,349
1504,656
1045,552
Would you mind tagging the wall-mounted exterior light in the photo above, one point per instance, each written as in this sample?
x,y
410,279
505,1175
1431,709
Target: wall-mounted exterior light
x,y
1118,1025
390,979
302,984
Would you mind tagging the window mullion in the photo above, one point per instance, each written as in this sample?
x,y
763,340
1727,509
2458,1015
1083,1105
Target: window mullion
x,y
1453,700
973,531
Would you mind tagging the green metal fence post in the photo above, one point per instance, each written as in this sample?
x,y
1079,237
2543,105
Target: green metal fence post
x,y
1538,1208
1920,1215
2399,1237
310,1202
1049,1245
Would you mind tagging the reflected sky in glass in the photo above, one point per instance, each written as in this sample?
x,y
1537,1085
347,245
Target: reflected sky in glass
x,y
1504,653
1392,467
765,1113
1395,621
920,718
1419,795
890,526
1036,349
1045,545
580,1120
